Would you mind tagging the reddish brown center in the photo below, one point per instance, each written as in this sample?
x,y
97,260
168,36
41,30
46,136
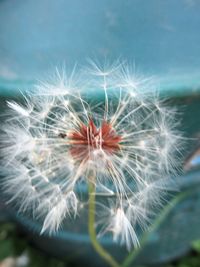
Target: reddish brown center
x,y
89,138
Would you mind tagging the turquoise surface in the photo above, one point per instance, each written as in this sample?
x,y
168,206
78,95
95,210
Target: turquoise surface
x,y
160,37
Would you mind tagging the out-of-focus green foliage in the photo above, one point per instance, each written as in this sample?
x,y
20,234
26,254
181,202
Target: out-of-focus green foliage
x,y
196,246
13,244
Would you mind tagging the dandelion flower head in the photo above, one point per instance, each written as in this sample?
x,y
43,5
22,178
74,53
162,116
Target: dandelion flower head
x,y
107,127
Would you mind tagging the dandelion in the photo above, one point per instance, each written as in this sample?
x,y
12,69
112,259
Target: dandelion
x,y
122,143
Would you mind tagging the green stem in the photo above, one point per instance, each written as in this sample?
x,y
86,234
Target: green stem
x,y
92,232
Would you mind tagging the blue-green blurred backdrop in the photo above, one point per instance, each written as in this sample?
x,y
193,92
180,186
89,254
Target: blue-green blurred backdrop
x,y
160,36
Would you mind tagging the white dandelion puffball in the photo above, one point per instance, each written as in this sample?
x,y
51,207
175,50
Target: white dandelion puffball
x,y
60,134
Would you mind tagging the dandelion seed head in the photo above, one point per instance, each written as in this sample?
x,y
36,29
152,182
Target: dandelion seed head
x,y
59,135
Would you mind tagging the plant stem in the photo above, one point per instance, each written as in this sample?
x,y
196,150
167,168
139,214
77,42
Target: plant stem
x,y
92,232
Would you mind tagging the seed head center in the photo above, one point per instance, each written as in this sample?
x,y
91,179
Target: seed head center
x,y
89,138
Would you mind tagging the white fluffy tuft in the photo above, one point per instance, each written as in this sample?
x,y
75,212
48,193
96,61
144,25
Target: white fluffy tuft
x,y
128,139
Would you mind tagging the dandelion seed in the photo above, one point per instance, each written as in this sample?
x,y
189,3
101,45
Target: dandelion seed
x,y
19,109
59,136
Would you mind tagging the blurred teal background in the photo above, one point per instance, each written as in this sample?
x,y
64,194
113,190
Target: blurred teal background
x,y
162,38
